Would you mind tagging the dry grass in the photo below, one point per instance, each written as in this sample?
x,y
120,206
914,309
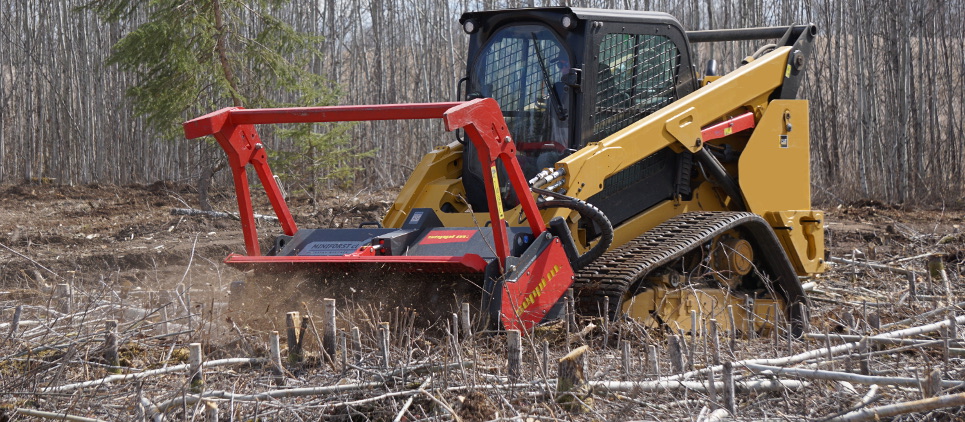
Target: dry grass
x,y
430,377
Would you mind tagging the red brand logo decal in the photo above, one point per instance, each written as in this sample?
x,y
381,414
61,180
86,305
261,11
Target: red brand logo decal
x,y
447,236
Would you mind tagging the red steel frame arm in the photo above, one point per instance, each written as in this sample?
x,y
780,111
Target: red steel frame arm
x,y
484,124
482,120
241,143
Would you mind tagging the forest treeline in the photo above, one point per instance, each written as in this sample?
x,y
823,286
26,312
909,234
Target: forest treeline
x,y
886,85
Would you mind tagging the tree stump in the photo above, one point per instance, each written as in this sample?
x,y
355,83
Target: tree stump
x,y
931,386
293,332
675,350
383,339
912,285
15,323
357,343
514,352
714,341
652,364
63,298
196,374
328,341
625,359
466,321
274,349
110,346
936,266
572,392
730,401
210,411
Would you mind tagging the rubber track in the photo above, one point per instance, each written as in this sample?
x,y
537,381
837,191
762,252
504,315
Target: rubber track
x,y
622,268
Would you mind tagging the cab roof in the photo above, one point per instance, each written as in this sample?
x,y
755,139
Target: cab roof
x,y
607,15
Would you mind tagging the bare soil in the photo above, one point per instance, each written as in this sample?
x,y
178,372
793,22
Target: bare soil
x,y
123,243
129,234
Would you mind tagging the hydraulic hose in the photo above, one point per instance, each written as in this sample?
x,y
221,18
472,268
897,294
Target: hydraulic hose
x,y
719,174
764,49
588,211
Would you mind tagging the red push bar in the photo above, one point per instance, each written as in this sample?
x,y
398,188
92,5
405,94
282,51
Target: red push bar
x,y
482,120
212,123
728,127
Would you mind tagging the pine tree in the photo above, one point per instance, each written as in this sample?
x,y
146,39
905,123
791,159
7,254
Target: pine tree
x,y
193,57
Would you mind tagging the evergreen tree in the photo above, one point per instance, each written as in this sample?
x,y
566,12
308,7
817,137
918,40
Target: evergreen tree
x,y
192,57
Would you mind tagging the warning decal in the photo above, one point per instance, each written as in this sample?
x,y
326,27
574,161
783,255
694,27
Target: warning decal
x,y
447,236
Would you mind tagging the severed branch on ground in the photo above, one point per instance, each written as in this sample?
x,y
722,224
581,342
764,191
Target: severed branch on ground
x,y
217,214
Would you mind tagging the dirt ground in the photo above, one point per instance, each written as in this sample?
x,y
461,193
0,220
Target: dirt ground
x,y
125,239
128,233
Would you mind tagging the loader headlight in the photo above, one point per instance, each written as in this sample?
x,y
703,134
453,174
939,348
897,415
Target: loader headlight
x,y
568,21
470,26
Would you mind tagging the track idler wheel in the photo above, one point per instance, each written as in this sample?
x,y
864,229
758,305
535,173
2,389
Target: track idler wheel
x,y
731,258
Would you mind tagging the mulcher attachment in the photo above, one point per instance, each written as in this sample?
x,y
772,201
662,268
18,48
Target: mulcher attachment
x,y
518,274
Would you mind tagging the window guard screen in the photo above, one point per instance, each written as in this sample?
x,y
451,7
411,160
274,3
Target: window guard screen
x,y
521,68
637,76
510,71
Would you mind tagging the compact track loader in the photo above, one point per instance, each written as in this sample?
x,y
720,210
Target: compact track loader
x,y
590,156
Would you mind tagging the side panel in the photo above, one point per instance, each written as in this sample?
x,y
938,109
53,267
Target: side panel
x,y
774,169
673,306
642,185
775,177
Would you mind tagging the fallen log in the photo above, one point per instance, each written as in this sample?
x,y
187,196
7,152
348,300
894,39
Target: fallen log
x,y
828,351
191,400
943,310
908,343
916,406
54,415
871,265
663,386
843,376
151,373
875,340
217,214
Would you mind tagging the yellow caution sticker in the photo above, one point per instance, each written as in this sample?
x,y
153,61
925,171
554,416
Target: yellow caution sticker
x,y
499,195
728,131
787,73
532,296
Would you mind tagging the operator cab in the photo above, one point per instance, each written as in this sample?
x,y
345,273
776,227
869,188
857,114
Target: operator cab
x,y
521,67
565,77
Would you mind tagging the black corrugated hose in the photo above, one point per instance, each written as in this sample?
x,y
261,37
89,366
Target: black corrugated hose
x,y
588,211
